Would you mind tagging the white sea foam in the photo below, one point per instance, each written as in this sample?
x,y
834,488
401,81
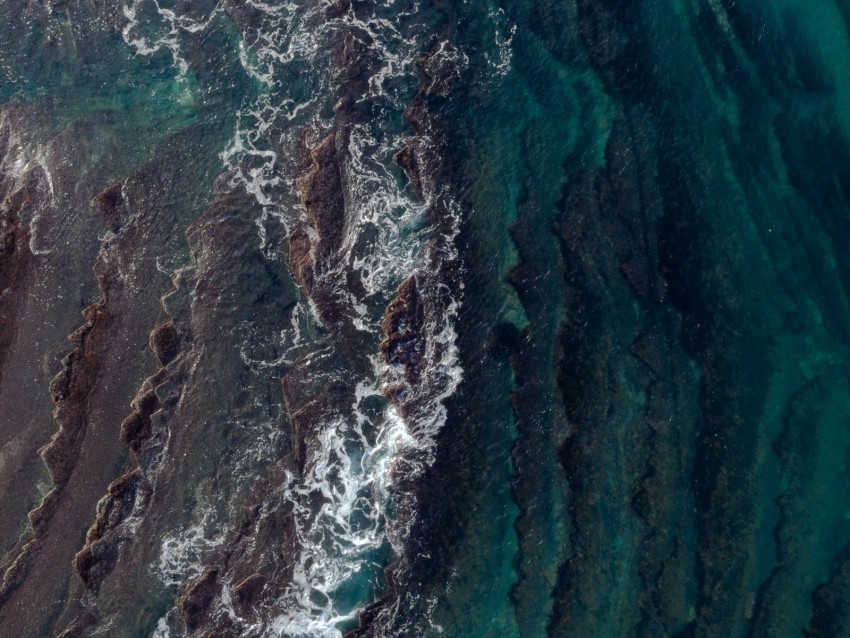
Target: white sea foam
x,y
503,36
22,160
38,210
290,341
342,502
161,630
181,555
386,233
339,540
167,34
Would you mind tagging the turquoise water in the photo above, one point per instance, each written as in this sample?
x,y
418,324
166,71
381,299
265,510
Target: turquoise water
x,y
497,319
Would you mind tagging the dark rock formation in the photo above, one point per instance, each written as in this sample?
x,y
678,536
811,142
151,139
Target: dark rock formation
x,y
320,192
136,428
248,592
404,334
100,552
198,597
90,394
408,159
109,204
165,343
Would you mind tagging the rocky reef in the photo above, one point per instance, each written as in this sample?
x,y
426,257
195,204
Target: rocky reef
x,y
518,320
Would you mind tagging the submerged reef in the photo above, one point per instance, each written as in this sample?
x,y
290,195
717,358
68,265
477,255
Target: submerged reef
x,y
359,319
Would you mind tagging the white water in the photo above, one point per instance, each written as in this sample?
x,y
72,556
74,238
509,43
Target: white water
x,y
29,164
290,57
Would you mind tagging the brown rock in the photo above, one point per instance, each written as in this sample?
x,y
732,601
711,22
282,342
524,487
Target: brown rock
x,y
198,598
247,592
403,324
165,342
108,204
407,159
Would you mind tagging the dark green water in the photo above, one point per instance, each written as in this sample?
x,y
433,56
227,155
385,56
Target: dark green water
x,y
425,318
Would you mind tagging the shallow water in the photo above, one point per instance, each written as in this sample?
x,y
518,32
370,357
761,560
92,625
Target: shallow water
x,y
416,318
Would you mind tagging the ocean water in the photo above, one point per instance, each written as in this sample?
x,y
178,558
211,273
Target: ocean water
x,y
419,318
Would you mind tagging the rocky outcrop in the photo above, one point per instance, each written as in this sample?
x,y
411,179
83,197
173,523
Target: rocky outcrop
x,y
136,428
195,603
70,390
314,245
108,204
165,343
249,591
409,160
185,409
100,552
131,490
109,359
16,259
404,345
317,257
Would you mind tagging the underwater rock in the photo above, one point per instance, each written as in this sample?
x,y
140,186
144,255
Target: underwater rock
x,y
403,327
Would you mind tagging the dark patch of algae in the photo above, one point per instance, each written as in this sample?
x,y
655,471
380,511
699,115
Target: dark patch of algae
x,y
658,201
